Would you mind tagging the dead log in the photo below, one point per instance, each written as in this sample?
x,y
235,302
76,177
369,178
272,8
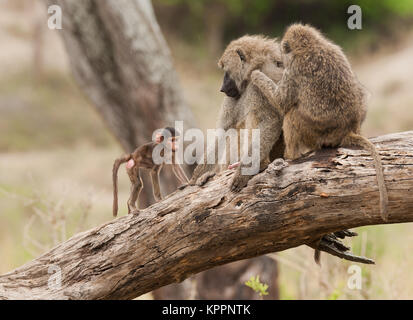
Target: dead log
x,y
198,228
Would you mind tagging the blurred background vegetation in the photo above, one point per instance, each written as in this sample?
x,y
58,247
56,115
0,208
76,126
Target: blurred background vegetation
x,y
211,23
56,155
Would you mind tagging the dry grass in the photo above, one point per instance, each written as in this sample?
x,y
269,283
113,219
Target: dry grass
x,y
390,246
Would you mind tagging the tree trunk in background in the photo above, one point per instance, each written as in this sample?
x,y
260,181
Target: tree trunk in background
x,y
38,39
121,60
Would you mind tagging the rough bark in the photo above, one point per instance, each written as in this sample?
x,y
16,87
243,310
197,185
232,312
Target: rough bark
x,y
198,228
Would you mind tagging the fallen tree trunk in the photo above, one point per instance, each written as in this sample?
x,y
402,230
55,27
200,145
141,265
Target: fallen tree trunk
x,y
195,229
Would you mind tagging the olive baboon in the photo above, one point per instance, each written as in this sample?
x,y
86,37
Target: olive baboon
x,y
142,158
320,97
244,107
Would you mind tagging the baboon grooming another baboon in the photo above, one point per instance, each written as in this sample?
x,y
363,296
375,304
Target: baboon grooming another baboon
x,y
142,157
244,107
322,101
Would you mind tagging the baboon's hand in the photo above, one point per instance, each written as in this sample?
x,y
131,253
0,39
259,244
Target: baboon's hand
x,y
239,181
198,172
204,178
260,80
256,76
192,181
234,165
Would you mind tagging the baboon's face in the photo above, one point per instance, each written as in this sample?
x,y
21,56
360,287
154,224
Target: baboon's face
x,y
233,63
244,55
173,143
229,87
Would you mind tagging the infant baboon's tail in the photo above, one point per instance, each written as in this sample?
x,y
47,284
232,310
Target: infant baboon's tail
x,y
115,169
354,139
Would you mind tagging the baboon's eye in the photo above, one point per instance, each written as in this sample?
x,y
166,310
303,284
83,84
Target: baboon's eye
x,y
286,47
279,64
241,55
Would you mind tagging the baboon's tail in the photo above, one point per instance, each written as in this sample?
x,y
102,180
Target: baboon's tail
x,y
116,166
357,140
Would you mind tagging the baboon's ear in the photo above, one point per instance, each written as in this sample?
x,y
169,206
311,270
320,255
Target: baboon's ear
x,y
241,55
286,47
279,64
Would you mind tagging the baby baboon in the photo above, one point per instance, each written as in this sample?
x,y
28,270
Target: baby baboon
x,y
244,107
322,101
142,158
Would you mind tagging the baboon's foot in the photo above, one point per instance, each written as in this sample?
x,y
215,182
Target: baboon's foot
x,y
183,186
131,208
204,178
239,182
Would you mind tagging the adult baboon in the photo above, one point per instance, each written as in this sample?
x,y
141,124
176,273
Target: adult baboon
x,y
244,107
322,101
